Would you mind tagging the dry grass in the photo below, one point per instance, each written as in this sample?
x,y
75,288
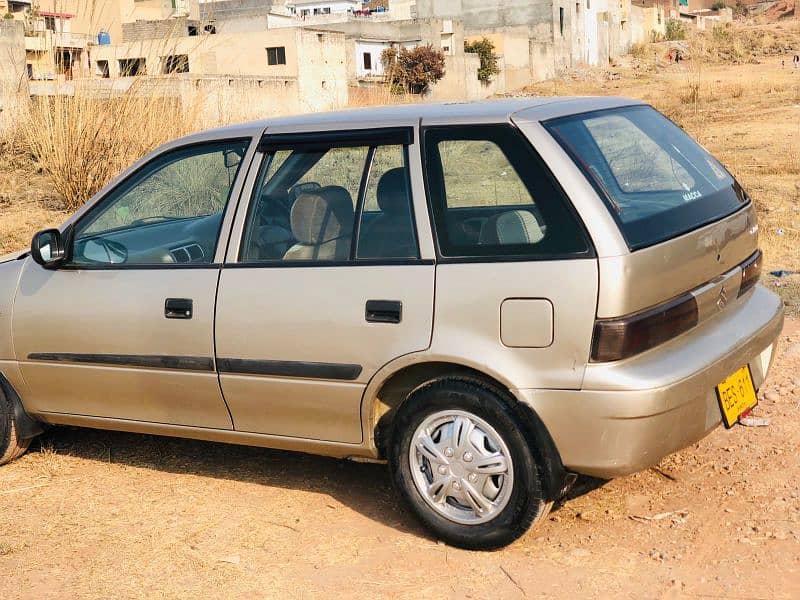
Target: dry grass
x,y
78,141
378,96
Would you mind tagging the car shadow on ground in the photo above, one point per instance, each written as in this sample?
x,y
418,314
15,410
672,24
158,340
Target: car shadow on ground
x,y
364,487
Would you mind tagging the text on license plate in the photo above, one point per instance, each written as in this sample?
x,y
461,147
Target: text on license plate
x,y
736,395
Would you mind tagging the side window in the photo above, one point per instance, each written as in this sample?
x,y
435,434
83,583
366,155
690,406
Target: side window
x,y
387,221
334,204
168,212
491,196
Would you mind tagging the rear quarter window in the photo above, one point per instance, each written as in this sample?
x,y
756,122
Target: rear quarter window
x,y
491,196
657,181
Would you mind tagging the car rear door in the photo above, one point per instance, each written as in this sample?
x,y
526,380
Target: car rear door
x,y
124,330
324,282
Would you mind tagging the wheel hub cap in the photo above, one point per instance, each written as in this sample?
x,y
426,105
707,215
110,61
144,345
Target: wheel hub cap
x,y
461,467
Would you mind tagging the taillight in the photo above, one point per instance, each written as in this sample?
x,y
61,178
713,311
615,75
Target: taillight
x,y
615,339
751,272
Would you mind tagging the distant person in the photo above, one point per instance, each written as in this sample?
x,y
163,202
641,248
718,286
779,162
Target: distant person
x,y
796,61
670,56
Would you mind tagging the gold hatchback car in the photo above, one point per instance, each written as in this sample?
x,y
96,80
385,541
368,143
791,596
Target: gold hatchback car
x,y
492,297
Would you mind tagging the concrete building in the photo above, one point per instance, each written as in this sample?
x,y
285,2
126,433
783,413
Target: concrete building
x,y
310,8
367,40
403,9
59,34
538,38
310,64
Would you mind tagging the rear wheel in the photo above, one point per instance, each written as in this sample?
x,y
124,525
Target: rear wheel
x,y
11,446
460,458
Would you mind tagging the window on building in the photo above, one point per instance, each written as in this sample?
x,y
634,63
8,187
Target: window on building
x,y
326,11
561,19
276,55
50,23
367,61
176,63
130,67
588,4
102,69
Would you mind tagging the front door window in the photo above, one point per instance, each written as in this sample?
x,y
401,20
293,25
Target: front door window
x,y
169,212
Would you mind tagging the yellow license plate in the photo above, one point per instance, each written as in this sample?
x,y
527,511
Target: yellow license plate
x,y
736,396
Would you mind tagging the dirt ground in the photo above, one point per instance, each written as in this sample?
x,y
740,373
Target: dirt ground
x,y
102,515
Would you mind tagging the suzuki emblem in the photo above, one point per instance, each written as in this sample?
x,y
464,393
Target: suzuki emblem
x,y
722,299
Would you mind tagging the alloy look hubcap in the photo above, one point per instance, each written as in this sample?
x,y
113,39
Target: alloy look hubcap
x,y
461,467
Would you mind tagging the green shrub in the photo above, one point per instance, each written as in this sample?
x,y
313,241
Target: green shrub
x,y
8,16
676,30
719,5
484,48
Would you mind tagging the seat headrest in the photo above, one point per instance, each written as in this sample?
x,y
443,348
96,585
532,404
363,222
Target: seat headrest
x,y
511,227
393,192
322,216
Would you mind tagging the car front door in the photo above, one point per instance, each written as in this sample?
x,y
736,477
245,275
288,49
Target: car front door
x,y
326,284
124,329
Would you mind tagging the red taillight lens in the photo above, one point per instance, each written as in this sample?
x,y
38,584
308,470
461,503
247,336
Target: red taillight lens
x,y
615,339
751,272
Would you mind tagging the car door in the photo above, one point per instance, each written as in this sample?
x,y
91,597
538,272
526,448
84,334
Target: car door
x,y
325,285
124,328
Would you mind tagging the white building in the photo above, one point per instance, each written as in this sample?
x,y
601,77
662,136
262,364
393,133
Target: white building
x,y
309,8
368,55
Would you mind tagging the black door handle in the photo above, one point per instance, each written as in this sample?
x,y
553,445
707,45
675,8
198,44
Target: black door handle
x,y
384,311
178,308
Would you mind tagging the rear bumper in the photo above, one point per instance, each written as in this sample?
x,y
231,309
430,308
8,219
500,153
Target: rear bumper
x,y
632,413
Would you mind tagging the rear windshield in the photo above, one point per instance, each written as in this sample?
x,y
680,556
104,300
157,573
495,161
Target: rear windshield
x,y
657,181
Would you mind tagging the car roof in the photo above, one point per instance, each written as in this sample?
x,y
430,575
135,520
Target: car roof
x,y
485,111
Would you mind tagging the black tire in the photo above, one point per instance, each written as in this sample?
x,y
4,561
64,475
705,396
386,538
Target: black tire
x,y
11,446
525,506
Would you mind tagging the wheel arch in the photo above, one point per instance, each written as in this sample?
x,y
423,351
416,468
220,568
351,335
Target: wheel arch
x,y
27,427
396,387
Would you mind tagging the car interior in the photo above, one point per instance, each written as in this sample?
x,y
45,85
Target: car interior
x,y
168,240
294,220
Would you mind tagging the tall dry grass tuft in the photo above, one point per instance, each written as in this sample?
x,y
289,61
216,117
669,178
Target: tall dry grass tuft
x,y
378,96
82,141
